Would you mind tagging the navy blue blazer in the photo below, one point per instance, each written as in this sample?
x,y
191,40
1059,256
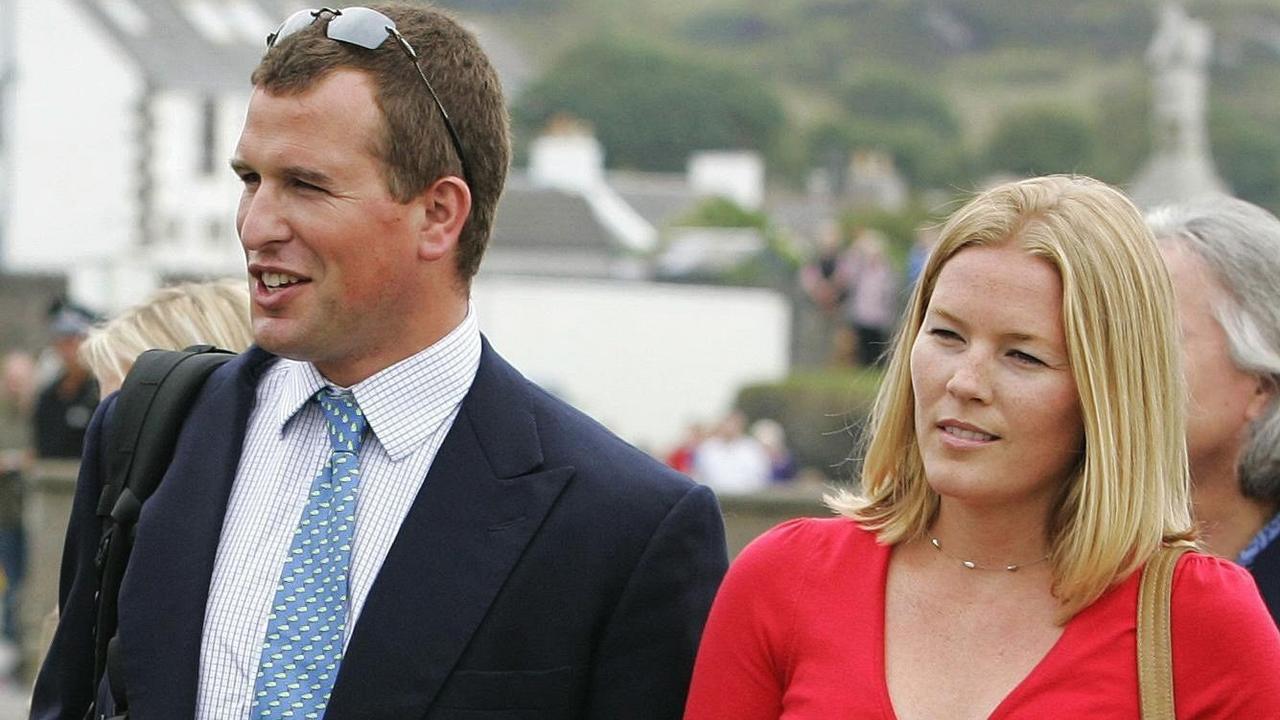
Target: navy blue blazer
x,y
1266,572
545,570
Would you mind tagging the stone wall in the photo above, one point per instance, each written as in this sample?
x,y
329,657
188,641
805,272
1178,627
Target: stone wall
x,y
51,483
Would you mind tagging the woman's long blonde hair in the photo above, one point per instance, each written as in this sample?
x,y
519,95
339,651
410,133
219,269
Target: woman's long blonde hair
x,y
1130,492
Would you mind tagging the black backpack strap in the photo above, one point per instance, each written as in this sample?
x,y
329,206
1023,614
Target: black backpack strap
x,y
149,411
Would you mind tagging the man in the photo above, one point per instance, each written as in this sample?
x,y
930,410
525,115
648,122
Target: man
x,y
65,406
509,557
1223,256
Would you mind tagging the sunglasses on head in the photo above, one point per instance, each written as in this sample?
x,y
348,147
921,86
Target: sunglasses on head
x,y
367,28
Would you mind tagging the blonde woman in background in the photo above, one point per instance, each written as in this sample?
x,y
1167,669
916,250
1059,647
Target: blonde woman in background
x,y
172,318
1026,458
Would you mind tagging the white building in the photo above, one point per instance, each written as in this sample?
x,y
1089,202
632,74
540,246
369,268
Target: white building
x,y
118,120
119,117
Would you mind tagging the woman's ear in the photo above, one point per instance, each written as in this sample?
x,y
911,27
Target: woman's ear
x,y
446,205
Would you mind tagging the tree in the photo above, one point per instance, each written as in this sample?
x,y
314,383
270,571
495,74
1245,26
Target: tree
x,y
651,109
925,159
900,114
892,98
1039,141
1247,152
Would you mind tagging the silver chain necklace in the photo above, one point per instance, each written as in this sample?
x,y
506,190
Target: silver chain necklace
x,y
1011,567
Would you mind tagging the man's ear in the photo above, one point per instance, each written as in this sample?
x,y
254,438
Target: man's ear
x,y
446,205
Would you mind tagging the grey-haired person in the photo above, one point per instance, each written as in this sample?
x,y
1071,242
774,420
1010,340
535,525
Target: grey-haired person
x,y
1223,256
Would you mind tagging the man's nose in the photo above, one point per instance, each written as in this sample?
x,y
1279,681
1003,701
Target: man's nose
x,y
261,219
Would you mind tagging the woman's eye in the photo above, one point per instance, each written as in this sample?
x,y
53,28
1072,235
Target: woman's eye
x,y
1025,358
944,334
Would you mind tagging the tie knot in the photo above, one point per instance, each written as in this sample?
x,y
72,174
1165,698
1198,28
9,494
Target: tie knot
x,y
345,419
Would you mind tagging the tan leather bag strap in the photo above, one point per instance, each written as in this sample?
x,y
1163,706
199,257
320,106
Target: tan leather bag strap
x,y
1155,656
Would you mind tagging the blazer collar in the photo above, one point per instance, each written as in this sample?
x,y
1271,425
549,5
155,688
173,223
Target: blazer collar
x,y
483,500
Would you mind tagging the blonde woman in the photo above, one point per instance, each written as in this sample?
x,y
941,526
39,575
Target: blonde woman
x,y
1025,459
172,318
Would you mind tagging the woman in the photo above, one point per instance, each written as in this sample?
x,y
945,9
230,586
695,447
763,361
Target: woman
x,y
1223,256
1026,458
172,318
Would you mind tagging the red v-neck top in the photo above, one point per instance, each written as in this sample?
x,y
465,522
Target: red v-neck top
x,y
797,632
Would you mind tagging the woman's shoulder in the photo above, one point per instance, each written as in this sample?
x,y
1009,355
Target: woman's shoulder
x,y
1226,647
1210,589
807,535
808,545
806,562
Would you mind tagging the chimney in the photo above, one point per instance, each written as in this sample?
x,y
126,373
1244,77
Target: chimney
x,y
566,156
737,175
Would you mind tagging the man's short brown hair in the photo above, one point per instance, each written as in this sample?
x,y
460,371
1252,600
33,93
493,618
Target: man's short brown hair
x,y
414,147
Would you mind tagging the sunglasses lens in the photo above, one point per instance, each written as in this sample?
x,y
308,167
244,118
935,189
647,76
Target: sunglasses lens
x,y
361,26
291,25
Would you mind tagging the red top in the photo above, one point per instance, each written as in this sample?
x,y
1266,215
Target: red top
x,y
797,631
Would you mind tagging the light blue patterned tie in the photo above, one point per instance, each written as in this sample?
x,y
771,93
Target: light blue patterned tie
x,y
303,647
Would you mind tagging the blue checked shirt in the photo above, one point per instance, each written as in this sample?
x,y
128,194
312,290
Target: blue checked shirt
x,y
410,407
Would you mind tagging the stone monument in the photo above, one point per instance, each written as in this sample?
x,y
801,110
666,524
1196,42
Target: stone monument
x,y
1180,166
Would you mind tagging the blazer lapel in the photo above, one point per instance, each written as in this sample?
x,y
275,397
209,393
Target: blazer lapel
x,y
166,587
483,500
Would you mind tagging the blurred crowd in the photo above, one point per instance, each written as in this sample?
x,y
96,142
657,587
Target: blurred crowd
x,y
855,285
46,402
734,458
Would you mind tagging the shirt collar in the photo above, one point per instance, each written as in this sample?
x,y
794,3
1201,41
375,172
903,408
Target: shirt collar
x,y
404,403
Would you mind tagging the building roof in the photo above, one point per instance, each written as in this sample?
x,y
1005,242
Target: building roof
x,y
661,198
213,45
543,231
201,45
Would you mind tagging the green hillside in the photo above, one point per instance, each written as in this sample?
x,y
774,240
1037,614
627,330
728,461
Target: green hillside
x,y
933,81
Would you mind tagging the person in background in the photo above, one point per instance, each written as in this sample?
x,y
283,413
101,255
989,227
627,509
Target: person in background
x,y
17,391
773,438
1026,458
171,318
871,303
729,460
65,406
822,284
926,238
1223,255
681,457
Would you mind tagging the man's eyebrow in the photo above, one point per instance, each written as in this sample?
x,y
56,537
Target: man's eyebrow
x,y
305,174
297,172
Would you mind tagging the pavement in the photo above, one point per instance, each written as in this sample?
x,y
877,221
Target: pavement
x,y
13,702
13,695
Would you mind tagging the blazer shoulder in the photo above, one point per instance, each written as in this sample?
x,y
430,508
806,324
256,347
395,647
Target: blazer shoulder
x,y
571,437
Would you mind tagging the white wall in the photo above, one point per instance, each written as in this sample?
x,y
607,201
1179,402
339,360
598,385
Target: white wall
x,y
74,166
73,163
195,211
645,359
